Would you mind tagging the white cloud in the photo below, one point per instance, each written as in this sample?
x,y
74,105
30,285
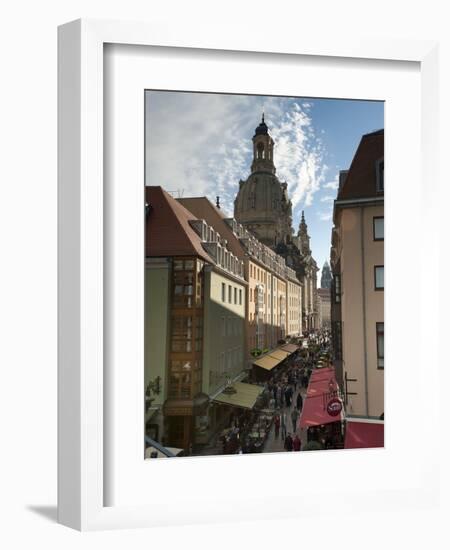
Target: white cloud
x,y
198,143
201,144
327,198
298,155
325,215
334,184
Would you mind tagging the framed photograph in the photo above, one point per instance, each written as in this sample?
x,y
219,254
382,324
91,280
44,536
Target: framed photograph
x,y
222,285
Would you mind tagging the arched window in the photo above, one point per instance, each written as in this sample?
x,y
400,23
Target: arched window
x,y
260,151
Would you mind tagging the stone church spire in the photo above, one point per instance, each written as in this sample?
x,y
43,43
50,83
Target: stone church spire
x,y
303,236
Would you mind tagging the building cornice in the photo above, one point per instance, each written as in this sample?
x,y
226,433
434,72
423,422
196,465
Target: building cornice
x,y
344,203
226,274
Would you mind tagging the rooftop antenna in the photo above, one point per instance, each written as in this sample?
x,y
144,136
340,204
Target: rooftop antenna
x,y
174,193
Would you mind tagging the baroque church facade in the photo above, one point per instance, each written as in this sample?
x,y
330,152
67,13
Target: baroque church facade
x,y
262,206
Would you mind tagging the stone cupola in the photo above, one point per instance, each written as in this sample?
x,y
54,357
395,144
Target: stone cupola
x,y
262,204
262,150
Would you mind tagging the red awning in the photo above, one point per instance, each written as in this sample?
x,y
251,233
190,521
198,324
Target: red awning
x,y
317,374
321,397
321,386
364,435
315,413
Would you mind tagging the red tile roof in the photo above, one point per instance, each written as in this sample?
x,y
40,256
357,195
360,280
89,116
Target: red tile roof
x,y
205,210
361,178
168,232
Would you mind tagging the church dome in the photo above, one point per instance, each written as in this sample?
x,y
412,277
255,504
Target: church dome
x,y
262,204
260,197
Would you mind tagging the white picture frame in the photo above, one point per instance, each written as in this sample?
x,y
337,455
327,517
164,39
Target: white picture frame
x,y
81,357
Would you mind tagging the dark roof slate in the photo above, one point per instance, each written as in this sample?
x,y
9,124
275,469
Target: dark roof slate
x,y
361,180
167,230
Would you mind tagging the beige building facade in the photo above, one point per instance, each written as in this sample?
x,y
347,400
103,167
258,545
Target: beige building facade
x,y
357,261
195,304
267,276
294,301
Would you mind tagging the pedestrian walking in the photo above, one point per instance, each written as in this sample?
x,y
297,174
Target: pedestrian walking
x,y
278,397
277,422
296,443
294,418
283,421
287,396
299,401
304,378
288,443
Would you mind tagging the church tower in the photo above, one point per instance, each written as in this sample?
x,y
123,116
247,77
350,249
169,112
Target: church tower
x,y
263,207
303,237
325,280
262,204
262,150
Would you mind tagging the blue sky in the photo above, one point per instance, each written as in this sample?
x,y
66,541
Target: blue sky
x,y
200,144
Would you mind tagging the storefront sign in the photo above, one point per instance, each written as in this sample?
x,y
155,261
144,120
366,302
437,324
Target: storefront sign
x,y
334,406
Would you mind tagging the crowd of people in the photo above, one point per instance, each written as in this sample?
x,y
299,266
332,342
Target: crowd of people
x,y
286,389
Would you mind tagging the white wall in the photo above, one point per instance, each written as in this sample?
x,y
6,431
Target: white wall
x,y
28,274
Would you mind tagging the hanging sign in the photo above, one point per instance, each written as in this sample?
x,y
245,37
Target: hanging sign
x,y
334,406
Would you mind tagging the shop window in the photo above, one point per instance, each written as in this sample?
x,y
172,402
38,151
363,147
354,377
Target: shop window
x,y
176,430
